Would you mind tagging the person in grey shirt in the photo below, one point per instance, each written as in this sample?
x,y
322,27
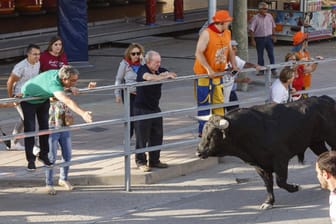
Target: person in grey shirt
x,y
127,73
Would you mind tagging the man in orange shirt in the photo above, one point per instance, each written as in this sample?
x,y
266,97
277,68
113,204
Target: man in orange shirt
x,y
213,51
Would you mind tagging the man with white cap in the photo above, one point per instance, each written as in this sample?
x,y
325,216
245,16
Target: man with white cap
x,y
213,51
241,64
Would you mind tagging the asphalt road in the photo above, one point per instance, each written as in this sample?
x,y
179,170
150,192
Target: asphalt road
x,y
209,196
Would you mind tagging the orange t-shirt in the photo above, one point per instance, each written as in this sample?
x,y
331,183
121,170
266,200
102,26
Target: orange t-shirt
x,y
307,76
216,53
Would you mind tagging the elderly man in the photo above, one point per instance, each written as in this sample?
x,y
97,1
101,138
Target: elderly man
x,y
149,132
326,174
48,84
213,51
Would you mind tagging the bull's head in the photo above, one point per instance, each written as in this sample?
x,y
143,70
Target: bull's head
x,y
213,133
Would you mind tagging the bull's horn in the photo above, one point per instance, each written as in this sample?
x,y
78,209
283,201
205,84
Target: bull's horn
x,y
223,123
203,118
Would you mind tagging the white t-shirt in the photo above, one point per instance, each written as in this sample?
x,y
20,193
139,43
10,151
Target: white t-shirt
x,y
279,94
240,64
25,71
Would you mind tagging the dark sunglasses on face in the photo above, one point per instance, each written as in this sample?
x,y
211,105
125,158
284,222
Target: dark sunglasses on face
x,y
135,53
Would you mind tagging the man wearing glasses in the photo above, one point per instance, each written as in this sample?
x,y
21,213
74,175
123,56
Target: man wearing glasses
x,y
21,73
213,52
262,33
48,84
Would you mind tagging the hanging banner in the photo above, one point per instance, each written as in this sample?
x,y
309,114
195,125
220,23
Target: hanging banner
x,y
72,27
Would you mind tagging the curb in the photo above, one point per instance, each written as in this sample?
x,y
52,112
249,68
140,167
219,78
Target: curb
x,y
137,177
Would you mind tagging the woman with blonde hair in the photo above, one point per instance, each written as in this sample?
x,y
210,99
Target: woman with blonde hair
x,y
127,73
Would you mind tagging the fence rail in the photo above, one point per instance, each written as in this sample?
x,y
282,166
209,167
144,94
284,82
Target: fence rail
x,y
127,119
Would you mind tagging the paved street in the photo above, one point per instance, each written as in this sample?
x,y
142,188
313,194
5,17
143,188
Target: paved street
x,y
209,196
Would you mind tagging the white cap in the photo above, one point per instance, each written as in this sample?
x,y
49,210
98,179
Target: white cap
x,y
234,43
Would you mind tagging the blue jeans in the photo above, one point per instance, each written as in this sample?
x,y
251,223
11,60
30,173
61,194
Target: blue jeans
x,y
263,43
64,140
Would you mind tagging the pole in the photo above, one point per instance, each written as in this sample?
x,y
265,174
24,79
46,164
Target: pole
x,y
150,12
239,33
212,10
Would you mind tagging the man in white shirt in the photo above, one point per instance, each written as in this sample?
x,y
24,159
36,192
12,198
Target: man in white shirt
x,y
326,174
281,86
230,93
21,73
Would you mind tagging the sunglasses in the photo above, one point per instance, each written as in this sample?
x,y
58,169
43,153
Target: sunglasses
x,y
263,8
135,53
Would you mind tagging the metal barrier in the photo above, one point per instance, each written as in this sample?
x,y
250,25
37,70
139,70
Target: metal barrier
x,y
127,119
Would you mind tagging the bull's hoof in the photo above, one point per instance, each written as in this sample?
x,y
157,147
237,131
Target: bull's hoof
x,y
294,188
266,206
201,156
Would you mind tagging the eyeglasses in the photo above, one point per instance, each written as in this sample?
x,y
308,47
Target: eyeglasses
x,y
135,53
263,8
218,23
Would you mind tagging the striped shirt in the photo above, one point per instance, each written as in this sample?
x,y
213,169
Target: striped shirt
x,y
262,26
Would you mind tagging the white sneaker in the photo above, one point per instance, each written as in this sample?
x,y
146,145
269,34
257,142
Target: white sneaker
x,y
17,146
51,190
66,184
36,150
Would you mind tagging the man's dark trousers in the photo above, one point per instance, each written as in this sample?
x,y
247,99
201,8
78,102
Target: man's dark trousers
x,y
148,133
41,111
263,43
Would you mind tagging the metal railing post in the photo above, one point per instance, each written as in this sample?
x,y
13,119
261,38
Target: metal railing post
x,y
268,84
127,139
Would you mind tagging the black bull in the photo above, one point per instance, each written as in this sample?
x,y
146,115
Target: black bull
x,y
268,136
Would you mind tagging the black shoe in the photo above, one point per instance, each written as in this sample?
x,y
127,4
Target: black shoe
x,y
159,165
31,166
45,161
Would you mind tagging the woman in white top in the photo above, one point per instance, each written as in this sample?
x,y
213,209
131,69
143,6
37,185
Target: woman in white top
x,y
127,73
281,86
